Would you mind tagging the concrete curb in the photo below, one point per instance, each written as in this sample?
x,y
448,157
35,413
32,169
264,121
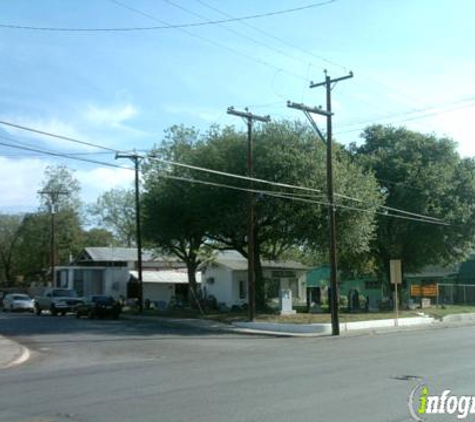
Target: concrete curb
x,y
287,330
326,329
12,353
468,317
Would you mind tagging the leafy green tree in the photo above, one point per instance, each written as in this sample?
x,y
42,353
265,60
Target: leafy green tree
x,y
115,210
9,238
99,237
183,216
174,216
289,153
59,187
422,174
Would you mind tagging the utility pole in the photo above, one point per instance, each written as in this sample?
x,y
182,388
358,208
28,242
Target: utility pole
x,y
53,196
136,160
330,187
250,118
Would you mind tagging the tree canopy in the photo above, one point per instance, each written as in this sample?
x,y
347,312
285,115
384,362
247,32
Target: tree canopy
x,y
422,174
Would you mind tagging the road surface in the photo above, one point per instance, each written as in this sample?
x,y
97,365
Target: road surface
x,y
113,371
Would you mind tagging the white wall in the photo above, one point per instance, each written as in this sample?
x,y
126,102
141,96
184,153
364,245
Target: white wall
x,y
238,276
221,289
158,291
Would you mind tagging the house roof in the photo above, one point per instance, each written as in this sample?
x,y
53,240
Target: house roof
x,y
112,254
165,276
434,271
235,261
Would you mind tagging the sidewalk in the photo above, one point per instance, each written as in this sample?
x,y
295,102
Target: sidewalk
x,y
12,353
308,330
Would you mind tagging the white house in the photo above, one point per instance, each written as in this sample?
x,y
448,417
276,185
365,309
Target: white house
x,y
162,285
226,278
112,271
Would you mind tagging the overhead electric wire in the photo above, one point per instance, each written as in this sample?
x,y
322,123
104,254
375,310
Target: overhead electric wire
x,y
210,41
299,199
285,185
278,184
427,113
59,154
177,26
53,135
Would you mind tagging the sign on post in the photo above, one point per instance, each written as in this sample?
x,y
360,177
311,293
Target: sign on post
x,y
395,277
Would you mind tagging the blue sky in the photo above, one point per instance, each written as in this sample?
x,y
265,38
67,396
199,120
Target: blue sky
x,y
413,62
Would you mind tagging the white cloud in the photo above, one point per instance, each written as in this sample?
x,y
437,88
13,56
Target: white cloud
x,y
20,181
50,125
96,181
113,116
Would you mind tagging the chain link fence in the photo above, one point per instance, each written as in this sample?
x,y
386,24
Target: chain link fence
x,y
455,294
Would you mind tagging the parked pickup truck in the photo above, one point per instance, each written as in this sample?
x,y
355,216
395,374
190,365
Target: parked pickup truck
x,y
56,300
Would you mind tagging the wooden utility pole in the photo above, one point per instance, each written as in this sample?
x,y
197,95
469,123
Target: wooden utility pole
x,y
330,187
136,160
250,118
53,196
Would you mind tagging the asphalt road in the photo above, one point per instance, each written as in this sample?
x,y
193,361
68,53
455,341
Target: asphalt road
x,y
89,371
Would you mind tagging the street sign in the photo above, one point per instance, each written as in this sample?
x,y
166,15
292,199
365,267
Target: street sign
x,y
395,273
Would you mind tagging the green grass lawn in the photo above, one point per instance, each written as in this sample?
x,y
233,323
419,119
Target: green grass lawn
x,y
306,318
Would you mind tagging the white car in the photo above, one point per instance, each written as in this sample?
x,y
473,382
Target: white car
x,y
18,302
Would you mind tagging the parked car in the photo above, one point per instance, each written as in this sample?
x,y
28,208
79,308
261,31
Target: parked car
x,y
57,301
18,302
99,306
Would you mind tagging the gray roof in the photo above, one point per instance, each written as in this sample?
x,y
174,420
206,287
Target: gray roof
x,y
235,261
112,254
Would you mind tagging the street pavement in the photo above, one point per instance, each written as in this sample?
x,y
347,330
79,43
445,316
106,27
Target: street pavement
x,y
88,371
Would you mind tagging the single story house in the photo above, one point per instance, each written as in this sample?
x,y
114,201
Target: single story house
x,y
163,285
112,271
226,278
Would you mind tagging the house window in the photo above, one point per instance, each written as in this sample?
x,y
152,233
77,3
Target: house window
x,y
242,290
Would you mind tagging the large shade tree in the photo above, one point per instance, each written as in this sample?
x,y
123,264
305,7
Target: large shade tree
x,y
183,216
421,174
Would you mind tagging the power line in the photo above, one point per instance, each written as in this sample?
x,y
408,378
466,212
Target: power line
x,y
284,185
209,41
284,195
178,26
58,154
264,192
53,135
233,31
427,113
70,156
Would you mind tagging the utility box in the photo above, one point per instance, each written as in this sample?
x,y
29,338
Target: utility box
x,y
286,302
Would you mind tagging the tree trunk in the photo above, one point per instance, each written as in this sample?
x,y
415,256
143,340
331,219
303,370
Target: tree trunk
x,y
192,291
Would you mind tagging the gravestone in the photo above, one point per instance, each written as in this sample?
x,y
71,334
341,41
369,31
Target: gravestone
x,y
286,302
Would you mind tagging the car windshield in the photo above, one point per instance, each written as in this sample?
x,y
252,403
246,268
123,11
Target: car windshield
x,y
21,297
63,293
